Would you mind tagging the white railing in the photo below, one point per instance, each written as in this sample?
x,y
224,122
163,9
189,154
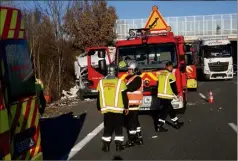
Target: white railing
x,y
188,26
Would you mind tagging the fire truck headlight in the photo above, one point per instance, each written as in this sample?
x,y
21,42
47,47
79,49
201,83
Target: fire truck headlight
x,y
147,82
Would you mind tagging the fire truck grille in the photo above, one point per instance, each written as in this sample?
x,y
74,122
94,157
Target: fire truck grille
x,y
218,67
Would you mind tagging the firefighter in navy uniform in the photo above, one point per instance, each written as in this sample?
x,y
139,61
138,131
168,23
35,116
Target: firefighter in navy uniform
x,y
135,96
167,91
112,101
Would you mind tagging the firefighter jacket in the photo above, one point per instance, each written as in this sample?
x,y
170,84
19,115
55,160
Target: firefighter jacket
x,y
167,85
111,96
134,91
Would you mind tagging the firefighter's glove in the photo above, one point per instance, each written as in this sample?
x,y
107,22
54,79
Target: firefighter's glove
x,y
126,111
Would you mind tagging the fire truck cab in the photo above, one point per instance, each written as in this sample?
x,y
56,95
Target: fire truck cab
x,y
19,118
151,47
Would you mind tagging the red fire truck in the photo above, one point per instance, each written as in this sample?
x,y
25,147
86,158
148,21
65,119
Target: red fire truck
x,y
19,118
151,47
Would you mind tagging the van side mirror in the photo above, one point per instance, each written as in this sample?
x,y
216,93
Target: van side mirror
x,y
102,53
186,48
102,66
188,59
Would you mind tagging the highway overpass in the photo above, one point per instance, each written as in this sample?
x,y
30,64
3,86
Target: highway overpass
x,y
191,27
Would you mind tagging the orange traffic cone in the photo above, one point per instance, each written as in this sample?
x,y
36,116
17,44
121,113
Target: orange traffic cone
x,y
210,98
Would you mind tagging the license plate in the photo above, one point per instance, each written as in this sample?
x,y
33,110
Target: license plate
x,y
147,99
24,141
24,145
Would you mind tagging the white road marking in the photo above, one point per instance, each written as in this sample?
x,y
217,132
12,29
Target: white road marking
x,y
85,141
202,95
234,127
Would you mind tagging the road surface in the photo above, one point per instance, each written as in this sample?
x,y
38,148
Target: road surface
x,y
209,133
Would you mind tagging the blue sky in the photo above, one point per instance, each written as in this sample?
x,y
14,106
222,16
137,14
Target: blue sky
x,y
142,9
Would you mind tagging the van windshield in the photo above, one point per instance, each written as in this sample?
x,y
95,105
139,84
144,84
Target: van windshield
x,y
19,69
149,56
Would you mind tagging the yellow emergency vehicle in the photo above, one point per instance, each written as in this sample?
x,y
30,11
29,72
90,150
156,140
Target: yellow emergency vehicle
x,y
20,137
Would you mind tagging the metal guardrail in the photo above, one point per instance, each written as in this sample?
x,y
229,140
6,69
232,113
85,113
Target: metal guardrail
x,y
188,26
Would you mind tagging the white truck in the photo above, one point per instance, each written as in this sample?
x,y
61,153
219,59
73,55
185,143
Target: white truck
x,y
214,57
81,64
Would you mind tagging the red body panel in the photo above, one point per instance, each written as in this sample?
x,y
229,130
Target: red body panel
x,y
94,75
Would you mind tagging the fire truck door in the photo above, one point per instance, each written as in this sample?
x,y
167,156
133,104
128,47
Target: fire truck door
x,y
98,59
191,72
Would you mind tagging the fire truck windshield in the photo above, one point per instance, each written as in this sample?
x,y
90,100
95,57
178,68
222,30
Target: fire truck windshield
x,y
149,56
19,68
217,51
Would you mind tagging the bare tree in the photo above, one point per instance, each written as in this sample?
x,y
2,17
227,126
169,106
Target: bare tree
x,y
56,10
90,24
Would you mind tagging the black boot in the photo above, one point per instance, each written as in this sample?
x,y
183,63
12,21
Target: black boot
x,y
131,140
139,139
119,146
161,128
177,124
106,146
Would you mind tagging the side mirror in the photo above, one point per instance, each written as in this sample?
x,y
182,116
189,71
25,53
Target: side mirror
x,y
102,53
188,59
186,48
102,66
183,68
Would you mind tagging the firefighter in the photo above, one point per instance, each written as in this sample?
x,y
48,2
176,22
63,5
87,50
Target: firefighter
x,y
40,95
112,101
124,63
135,96
167,91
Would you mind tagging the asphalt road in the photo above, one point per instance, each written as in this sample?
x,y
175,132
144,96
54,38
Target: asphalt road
x,y
206,134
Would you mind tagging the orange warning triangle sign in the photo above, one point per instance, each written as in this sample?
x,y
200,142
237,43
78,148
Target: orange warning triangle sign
x,y
156,21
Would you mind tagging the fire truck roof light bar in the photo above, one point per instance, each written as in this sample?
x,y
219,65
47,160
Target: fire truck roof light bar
x,y
136,33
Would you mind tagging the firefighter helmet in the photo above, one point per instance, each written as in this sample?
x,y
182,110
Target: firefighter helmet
x,y
133,65
111,69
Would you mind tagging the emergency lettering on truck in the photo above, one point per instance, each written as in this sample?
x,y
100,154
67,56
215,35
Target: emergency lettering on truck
x,y
151,47
19,118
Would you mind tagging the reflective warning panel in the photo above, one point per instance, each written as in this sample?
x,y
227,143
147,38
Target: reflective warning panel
x,y
156,21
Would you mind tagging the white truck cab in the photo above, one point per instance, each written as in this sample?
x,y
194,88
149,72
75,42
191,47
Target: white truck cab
x,y
216,58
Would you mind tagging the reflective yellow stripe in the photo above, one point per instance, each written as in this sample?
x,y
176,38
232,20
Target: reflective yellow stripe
x,y
7,157
21,34
11,33
4,121
152,76
13,113
21,119
37,146
31,113
14,19
133,108
22,24
3,13
28,155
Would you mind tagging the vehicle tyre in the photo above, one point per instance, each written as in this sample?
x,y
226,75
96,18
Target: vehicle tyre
x,y
80,94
